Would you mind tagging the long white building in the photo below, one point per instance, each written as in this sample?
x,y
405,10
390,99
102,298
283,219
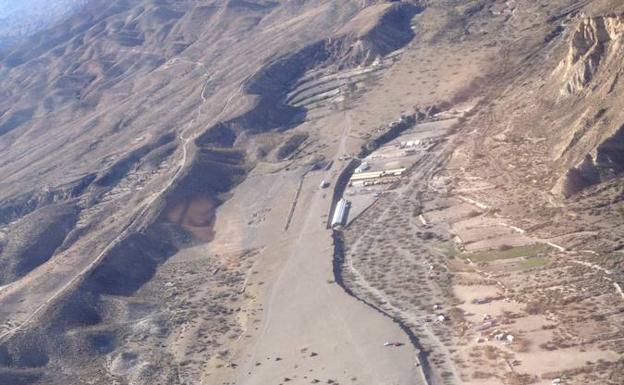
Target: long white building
x,y
376,177
340,214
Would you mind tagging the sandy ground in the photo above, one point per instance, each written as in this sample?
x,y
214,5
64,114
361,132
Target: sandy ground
x,y
305,328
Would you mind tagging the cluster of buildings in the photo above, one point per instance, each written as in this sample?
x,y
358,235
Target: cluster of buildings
x,y
362,176
410,147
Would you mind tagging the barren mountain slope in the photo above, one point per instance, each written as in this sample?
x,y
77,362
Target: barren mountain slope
x,y
122,128
161,220
549,134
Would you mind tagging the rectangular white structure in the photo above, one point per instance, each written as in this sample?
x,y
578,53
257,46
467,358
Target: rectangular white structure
x,y
375,177
340,214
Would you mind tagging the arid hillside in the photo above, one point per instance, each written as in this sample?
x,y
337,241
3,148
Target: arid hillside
x,y
122,129
548,134
168,170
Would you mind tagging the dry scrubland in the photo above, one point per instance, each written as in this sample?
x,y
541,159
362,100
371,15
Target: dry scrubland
x,y
186,243
528,282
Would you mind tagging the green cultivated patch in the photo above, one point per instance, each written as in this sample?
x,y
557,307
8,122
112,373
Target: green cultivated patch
x,y
450,250
528,251
534,262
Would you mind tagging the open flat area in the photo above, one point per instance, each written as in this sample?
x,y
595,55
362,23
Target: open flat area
x,y
304,327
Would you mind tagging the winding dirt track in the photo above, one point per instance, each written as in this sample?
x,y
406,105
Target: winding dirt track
x,y
129,228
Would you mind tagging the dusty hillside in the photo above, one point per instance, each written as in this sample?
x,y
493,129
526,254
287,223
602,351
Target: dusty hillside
x,y
521,227
550,139
161,220
122,130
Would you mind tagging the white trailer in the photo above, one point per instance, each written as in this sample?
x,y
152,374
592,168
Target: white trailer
x,y
362,167
340,214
